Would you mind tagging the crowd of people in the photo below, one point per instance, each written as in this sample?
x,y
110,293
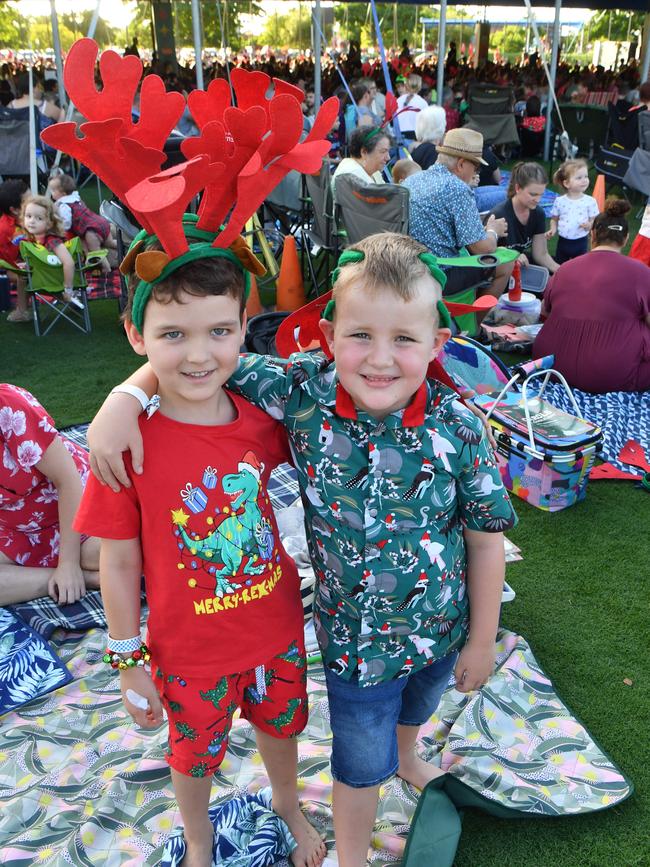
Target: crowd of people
x,y
386,323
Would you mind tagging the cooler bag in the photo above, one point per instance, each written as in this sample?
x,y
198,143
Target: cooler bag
x,y
544,453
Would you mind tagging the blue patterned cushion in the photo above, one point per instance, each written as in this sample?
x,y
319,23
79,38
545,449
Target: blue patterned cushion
x,y
28,666
246,832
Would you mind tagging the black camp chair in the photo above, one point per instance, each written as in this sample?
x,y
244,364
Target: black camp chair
x,y
491,112
366,209
14,144
586,125
322,242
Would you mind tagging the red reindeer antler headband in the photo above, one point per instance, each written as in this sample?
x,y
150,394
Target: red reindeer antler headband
x,y
239,157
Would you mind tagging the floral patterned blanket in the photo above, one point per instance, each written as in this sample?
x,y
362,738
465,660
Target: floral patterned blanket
x,y
79,784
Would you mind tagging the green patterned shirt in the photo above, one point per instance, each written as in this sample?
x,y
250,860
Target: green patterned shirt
x,y
385,503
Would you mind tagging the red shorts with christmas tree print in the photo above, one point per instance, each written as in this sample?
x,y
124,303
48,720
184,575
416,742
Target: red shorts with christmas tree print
x,y
272,696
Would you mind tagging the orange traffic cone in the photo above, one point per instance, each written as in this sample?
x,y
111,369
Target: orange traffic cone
x,y
253,305
290,287
599,192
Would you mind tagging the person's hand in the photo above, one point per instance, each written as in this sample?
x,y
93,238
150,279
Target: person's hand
x,y
523,260
551,232
67,583
586,225
475,665
467,394
137,680
115,430
499,226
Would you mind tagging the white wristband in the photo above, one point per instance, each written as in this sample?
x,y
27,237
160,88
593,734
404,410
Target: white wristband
x,y
487,232
123,645
141,396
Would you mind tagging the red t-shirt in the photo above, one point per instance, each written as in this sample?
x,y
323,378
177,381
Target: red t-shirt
x,y
202,513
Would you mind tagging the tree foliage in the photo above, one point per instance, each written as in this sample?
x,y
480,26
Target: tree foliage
x,y
19,31
398,23
510,41
599,25
292,30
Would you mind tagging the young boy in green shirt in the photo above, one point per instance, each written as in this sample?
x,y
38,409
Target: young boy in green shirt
x,y
404,508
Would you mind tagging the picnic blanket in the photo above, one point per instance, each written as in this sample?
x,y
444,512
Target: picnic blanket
x,y
81,785
623,416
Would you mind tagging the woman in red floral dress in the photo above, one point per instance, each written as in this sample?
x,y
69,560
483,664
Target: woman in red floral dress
x,y
41,480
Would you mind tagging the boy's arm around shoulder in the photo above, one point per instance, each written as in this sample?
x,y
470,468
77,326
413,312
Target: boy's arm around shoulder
x,y
266,381
115,430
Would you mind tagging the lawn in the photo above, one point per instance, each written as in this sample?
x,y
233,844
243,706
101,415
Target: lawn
x,y
582,603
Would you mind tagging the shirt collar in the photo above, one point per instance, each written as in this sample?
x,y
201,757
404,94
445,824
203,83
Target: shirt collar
x,y
325,389
411,416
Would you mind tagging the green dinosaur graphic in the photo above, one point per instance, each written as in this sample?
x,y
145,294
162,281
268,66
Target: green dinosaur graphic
x,y
285,718
236,537
186,732
200,770
215,695
293,656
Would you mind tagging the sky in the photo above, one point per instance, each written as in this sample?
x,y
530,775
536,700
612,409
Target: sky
x,y
118,13
114,12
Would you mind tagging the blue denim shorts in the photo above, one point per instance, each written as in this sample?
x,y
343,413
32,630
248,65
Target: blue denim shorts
x,y
364,720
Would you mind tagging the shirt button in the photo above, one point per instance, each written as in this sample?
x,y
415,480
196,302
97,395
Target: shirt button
x,y
372,513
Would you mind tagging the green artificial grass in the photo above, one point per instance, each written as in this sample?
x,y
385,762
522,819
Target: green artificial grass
x,y
582,603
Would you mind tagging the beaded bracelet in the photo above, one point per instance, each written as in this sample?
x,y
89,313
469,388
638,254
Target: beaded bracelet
x,y
123,645
137,658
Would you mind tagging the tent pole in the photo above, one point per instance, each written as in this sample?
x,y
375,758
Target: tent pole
x,y
317,48
196,33
645,65
551,81
33,174
56,45
442,42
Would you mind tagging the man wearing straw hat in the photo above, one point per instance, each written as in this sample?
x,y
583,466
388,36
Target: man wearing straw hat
x,y
443,213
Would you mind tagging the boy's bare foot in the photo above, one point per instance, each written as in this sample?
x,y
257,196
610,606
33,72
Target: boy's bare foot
x,y
417,772
199,852
310,851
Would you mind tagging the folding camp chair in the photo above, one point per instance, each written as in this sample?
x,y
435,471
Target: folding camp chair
x,y
44,273
644,130
586,125
284,207
14,144
323,241
125,232
491,112
366,209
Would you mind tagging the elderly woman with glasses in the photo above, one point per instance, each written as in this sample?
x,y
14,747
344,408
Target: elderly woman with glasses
x,y
369,154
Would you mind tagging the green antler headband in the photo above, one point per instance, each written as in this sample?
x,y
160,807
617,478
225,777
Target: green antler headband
x,y
349,257
200,247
